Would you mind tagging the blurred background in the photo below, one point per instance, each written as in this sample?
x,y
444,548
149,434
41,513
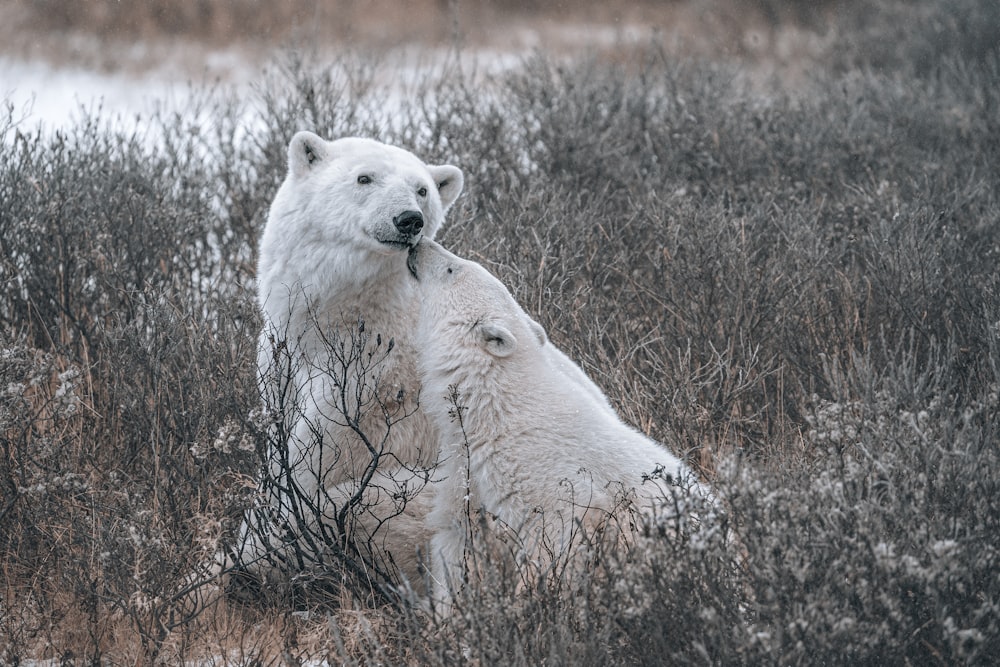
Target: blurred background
x,y
571,24
56,55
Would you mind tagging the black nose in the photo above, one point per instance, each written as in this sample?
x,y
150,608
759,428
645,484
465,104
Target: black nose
x,y
409,222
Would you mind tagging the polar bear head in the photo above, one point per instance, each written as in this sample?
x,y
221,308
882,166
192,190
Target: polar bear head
x,y
471,329
353,204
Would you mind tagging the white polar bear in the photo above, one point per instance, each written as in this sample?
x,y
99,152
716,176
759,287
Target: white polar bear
x,y
526,436
335,357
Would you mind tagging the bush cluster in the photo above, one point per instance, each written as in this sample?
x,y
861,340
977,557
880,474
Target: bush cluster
x,y
795,289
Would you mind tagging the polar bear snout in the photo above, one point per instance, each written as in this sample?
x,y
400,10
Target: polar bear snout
x,y
428,258
411,260
409,222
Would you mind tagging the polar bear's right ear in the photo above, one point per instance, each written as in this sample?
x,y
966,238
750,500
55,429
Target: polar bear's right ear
x,y
305,151
449,181
496,339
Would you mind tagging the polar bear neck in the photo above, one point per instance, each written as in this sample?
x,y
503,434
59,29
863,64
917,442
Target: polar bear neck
x,y
486,403
299,296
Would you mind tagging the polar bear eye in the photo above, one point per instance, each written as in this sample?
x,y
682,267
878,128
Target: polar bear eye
x,y
364,179
422,192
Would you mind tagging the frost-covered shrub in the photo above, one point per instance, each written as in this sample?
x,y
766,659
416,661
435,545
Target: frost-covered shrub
x,y
882,547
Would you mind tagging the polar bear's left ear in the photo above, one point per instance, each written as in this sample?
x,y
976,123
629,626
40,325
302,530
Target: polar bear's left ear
x,y
449,181
305,151
496,339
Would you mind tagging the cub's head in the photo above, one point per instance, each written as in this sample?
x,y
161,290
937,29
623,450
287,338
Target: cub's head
x,y
363,193
469,322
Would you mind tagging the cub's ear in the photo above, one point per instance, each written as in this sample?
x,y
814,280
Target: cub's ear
x,y
305,151
496,339
450,182
538,330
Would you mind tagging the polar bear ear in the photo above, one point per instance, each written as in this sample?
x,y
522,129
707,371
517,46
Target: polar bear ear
x,y
496,339
305,151
538,330
450,182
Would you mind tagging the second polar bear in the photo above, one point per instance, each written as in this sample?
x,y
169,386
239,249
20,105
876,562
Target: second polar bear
x,y
336,363
526,436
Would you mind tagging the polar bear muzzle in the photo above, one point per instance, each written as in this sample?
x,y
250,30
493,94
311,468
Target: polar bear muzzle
x,y
409,222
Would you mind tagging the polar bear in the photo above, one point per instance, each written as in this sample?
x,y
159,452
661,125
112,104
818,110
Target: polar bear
x,y
526,436
335,358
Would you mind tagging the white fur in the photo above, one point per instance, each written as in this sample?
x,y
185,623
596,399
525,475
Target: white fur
x,y
330,255
538,445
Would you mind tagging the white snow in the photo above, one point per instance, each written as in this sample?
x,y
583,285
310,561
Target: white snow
x,y
56,97
53,97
